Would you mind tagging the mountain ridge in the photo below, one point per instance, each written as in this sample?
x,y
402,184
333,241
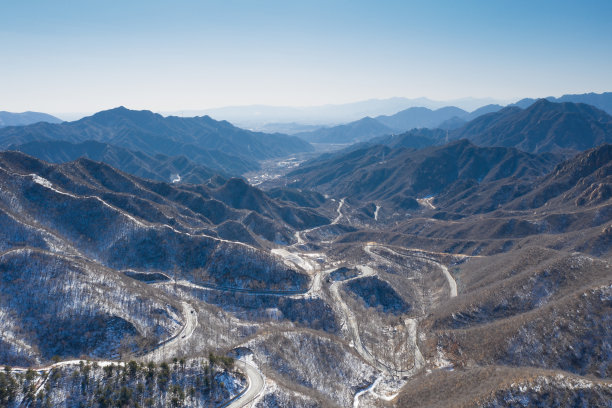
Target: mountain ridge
x,y
380,173
197,138
601,101
158,166
358,131
542,127
26,118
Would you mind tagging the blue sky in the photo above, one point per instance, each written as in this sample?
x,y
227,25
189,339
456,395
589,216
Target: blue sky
x,y
83,56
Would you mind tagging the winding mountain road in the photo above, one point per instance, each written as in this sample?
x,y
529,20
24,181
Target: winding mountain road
x,y
255,387
255,378
366,390
337,219
410,323
298,234
172,344
422,256
353,328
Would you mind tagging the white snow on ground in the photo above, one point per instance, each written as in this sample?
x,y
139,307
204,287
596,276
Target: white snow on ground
x,y
340,204
387,385
365,271
422,256
172,345
295,259
49,185
298,234
440,361
309,263
383,388
42,181
256,384
426,202
10,334
351,322
169,347
65,364
564,381
316,255
365,391
451,281
298,238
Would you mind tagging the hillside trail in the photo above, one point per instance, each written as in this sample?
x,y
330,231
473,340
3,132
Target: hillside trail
x,y
338,210
410,323
422,255
298,234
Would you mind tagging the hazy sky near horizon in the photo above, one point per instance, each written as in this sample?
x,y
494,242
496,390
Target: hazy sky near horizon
x,y
84,56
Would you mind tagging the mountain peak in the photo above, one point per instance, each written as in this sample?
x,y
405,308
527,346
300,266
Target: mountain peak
x,y
203,140
123,111
25,118
541,102
585,163
544,126
119,115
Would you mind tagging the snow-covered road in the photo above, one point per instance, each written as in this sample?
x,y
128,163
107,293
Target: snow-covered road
x,y
353,328
337,219
170,346
422,255
255,387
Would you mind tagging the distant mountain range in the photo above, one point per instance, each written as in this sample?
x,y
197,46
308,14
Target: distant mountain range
x,y
205,141
446,118
457,121
496,160
25,118
420,118
423,116
193,150
389,169
415,138
258,116
353,132
367,128
542,127
602,101
294,120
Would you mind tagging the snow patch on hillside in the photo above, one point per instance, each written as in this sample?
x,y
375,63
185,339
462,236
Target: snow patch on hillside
x,y
42,181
